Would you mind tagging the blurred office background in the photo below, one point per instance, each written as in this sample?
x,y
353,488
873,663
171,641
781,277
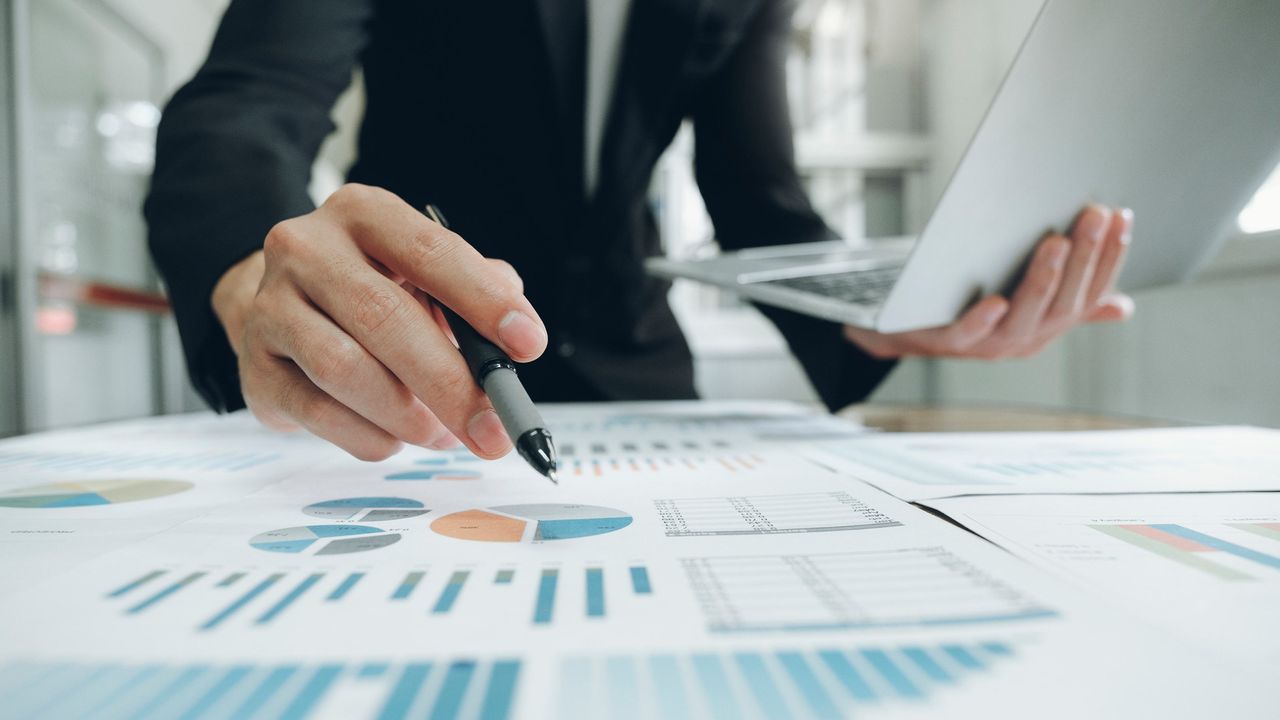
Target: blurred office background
x,y
885,95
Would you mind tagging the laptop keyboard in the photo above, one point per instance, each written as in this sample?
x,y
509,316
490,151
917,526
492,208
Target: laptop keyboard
x,y
860,287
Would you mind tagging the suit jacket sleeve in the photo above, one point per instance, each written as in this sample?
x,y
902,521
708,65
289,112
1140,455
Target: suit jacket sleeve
x,y
234,154
745,167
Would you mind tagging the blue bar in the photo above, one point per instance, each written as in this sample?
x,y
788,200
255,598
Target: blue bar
x,y
501,691
595,592
640,580
288,599
189,695
87,698
450,593
136,583
897,679
810,687
504,577
122,691
345,586
715,684
168,691
624,694
546,596
215,693
405,691
997,648
269,686
1218,544
245,599
760,682
33,698
230,579
578,692
963,657
923,660
165,593
407,585
848,676
311,692
373,670
668,684
15,676
128,707
453,690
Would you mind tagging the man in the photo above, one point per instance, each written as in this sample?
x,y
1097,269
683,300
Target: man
x,y
535,126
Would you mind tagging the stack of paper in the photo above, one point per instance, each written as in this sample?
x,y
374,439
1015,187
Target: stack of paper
x,y
696,561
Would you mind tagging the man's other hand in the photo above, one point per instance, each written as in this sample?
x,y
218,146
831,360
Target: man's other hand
x,y
335,328
1070,281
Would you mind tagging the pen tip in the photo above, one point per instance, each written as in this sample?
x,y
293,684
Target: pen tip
x,y
551,475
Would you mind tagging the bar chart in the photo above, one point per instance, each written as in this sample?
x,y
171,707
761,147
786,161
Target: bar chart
x,y
367,509
538,522
104,461
823,683
324,539
91,492
614,465
440,472
740,426
884,588
1203,551
255,598
768,514
452,688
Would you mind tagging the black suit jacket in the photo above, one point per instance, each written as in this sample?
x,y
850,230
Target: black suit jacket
x,y
477,107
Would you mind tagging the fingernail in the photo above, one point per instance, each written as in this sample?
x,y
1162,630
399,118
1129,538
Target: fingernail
x,y
486,431
994,313
521,334
1094,222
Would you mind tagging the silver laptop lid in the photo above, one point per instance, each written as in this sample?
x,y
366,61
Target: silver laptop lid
x,y
1170,107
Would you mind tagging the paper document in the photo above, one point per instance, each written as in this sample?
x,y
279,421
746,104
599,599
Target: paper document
x,y
1207,566
71,496
693,563
919,466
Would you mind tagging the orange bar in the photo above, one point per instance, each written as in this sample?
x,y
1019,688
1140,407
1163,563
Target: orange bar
x,y
1167,538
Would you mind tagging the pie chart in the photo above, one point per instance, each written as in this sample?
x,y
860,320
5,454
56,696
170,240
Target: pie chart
x,y
324,539
367,509
90,492
435,473
535,522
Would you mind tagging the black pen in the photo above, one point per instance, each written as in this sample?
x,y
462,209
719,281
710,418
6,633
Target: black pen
x,y
496,375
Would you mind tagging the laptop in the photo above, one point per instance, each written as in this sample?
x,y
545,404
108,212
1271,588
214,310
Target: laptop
x,y
1169,107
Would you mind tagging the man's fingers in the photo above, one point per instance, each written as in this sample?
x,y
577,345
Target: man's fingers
x,y
279,387
402,334
1087,239
342,368
1111,258
444,265
974,326
877,345
1034,294
953,340
1112,308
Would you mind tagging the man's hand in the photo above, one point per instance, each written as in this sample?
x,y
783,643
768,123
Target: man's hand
x,y
1070,281
335,330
